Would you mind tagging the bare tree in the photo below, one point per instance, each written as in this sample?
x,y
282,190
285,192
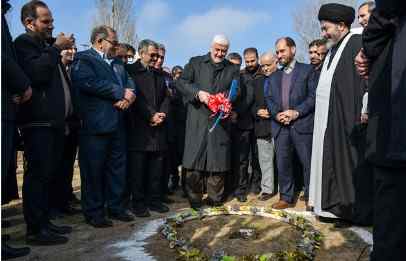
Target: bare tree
x,y
119,14
306,24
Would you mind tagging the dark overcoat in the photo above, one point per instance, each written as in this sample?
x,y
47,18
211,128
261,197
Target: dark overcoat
x,y
206,151
384,42
152,97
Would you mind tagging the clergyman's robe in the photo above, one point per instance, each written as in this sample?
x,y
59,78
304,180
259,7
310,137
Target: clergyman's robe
x,y
336,156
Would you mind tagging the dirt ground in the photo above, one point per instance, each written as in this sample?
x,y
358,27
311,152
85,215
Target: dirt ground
x,y
88,244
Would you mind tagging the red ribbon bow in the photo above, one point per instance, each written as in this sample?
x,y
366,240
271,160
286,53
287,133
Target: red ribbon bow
x,y
219,103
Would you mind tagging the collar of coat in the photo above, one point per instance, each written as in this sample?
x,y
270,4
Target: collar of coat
x,y
139,67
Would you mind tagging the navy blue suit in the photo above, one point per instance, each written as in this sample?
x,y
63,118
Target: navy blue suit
x,y
102,139
298,134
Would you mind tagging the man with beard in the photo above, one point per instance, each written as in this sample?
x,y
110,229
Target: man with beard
x,y
266,145
244,140
43,120
147,134
335,156
206,153
383,63
291,104
317,53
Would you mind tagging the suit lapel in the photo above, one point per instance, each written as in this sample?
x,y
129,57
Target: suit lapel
x,y
102,62
295,74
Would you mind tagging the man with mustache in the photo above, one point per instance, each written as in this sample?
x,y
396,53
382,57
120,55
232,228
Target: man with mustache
x,y
317,53
335,155
206,153
245,148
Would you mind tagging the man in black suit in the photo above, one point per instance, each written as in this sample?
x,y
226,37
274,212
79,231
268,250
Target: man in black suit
x,y
14,83
147,137
291,102
383,60
42,119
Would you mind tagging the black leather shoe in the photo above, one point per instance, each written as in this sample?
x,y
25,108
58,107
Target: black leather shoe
x,y
62,230
167,200
141,212
8,252
74,200
326,220
99,222
265,196
342,224
241,198
70,210
212,203
45,237
122,216
160,208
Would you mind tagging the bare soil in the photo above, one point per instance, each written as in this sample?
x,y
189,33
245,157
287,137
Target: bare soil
x,y
88,244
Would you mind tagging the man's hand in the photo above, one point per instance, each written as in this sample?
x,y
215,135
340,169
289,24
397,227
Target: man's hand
x,y
129,95
263,113
364,118
292,114
233,117
122,104
64,42
157,119
282,118
27,95
362,64
203,97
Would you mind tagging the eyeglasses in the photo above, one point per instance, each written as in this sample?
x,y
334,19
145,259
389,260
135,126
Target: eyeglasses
x,y
113,43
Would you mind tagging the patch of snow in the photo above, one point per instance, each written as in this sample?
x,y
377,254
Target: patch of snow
x,y
133,248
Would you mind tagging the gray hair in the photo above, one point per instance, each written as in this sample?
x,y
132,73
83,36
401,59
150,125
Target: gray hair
x,y
161,47
369,3
100,32
144,44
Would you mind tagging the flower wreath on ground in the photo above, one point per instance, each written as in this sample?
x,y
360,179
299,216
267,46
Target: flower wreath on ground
x,y
305,248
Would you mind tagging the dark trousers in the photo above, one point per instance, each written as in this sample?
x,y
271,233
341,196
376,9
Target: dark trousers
x,y
43,147
102,161
389,215
256,174
145,175
195,186
9,189
61,186
287,142
7,145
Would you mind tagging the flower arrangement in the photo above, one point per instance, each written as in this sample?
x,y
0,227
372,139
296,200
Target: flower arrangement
x,y
305,248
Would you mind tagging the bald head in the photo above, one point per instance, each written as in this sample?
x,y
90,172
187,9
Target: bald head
x,y
268,63
219,48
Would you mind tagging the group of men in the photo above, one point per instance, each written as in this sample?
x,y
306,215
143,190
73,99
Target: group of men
x,y
135,124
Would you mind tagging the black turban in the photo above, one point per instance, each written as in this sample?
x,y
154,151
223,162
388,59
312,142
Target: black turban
x,y
337,13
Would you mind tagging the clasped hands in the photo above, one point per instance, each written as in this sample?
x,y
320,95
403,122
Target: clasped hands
x,y
129,98
263,113
157,119
286,117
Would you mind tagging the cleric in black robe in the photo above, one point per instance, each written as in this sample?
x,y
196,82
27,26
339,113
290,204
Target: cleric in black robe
x,y
206,154
335,156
